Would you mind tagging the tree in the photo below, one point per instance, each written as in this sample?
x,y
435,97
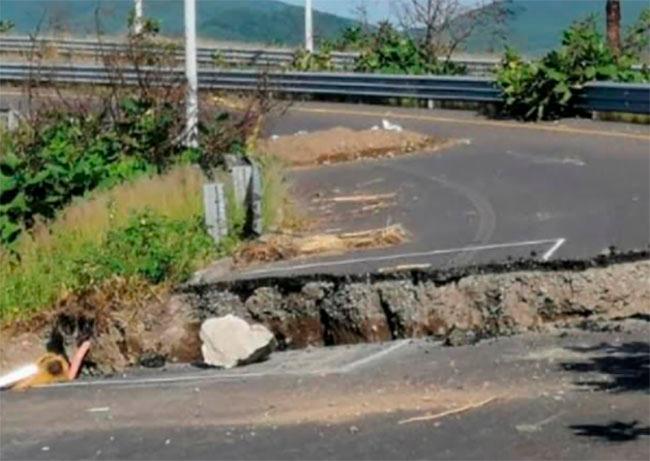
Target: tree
x,y
613,10
443,26
637,37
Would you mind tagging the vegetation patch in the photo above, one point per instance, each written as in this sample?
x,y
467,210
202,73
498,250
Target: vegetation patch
x,y
548,88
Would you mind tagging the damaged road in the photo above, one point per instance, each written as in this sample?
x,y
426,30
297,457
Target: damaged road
x,y
571,395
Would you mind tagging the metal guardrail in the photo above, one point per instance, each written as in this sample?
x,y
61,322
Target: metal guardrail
x,y
616,97
208,56
597,96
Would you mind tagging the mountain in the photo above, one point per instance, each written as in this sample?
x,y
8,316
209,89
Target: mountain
x,y
536,26
258,21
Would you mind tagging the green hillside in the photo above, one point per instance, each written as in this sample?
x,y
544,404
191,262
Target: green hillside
x,y
534,28
536,25
260,21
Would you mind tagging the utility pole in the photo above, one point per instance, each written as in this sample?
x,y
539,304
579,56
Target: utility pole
x,y
137,18
613,10
191,98
309,29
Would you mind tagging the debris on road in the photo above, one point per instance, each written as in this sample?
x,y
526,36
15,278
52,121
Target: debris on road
x,y
52,368
387,125
49,368
230,341
280,247
22,373
453,411
362,198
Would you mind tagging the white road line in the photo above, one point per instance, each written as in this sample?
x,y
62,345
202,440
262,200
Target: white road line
x,y
345,262
553,249
217,376
168,380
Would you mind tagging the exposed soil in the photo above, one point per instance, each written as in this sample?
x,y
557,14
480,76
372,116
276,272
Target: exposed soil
x,y
343,144
459,305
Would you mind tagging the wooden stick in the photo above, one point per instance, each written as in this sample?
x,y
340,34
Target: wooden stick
x,y
448,412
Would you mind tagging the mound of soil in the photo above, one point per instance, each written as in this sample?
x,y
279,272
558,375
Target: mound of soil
x,y
343,144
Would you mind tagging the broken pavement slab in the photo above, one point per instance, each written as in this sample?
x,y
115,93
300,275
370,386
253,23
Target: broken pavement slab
x,y
230,341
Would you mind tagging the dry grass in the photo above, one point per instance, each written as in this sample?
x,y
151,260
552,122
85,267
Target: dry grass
x,y
47,269
279,247
176,194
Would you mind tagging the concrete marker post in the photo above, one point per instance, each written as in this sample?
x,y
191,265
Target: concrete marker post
x,y
214,205
255,200
241,179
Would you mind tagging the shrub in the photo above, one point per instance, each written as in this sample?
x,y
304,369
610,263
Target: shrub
x,y
390,52
68,155
546,89
304,61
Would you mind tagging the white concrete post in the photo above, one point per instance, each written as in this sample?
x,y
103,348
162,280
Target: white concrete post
x,y
137,18
309,29
214,206
191,101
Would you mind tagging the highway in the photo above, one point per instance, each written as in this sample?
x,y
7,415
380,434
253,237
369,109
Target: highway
x,y
581,396
509,190
544,191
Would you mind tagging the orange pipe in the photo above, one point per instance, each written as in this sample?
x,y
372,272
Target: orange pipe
x,y
77,359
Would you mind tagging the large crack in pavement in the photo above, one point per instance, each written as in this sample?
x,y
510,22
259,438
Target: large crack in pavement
x,y
461,304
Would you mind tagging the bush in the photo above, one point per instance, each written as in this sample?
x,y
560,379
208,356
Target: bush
x,y
150,246
547,89
68,155
304,61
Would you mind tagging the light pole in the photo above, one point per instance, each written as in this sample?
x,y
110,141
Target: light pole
x,y
191,98
137,18
309,29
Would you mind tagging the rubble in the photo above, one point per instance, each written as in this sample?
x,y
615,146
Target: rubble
x,y
230,341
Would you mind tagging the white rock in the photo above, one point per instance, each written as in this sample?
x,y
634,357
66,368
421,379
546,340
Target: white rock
x,y
230,341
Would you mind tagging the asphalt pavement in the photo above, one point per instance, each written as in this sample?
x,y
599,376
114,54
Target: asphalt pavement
x,y
507,190
576,395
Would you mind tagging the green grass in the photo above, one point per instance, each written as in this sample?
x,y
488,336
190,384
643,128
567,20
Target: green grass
x,y
150,229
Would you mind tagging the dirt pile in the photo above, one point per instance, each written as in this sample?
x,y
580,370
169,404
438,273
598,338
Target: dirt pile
x,y
343,144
